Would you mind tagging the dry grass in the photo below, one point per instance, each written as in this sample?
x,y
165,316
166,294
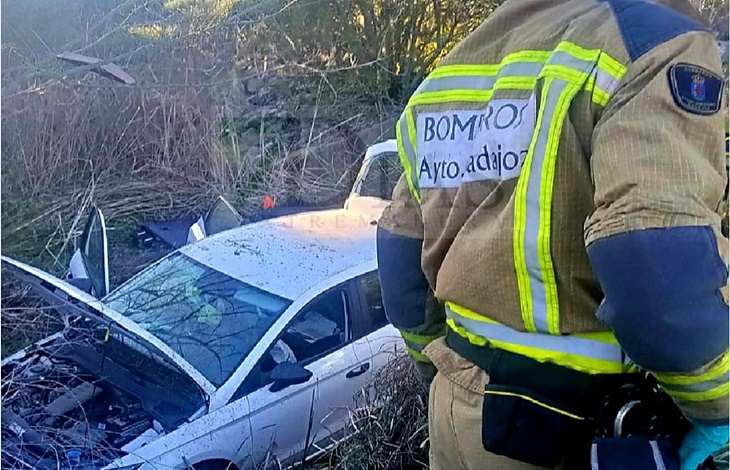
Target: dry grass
x,y
140,154
25,317
393,435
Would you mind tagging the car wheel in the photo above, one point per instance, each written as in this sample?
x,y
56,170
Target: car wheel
x,y
219,464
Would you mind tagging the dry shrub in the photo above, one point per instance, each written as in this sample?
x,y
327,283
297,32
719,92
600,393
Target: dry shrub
x,y
148,153
26,318
151,152
393,434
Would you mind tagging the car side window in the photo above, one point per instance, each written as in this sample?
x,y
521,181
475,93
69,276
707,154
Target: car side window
x,y
369,287
319,328
382,176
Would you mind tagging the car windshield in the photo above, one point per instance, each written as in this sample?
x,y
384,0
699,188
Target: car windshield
x,y
210,319
381,177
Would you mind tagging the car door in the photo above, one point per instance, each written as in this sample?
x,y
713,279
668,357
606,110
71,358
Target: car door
x,y
220,217
89,265
383,338
286,423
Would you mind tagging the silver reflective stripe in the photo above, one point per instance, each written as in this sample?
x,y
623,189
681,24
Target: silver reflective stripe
x,y
696,387
466,82
408,149
532,215
565,344
533,212
658,460
605,81
570,61
594,457
479,82
414,346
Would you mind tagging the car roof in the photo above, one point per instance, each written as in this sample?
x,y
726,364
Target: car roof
x,y
289,255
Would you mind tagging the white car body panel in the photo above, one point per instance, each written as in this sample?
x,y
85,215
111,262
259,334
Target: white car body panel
x,y
327,394
296,257
222,434
314,244
246,430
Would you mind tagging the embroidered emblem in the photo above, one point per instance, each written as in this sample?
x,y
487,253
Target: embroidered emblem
x,y
696,89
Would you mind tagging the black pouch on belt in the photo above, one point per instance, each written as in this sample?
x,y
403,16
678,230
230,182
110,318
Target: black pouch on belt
x,y
532,412
526,426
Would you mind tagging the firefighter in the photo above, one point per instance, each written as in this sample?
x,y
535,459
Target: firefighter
x,y
555,238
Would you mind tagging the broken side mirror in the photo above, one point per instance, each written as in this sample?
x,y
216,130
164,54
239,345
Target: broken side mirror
x,y
89,266
287,374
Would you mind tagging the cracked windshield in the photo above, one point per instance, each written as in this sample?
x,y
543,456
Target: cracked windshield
x,y
213,321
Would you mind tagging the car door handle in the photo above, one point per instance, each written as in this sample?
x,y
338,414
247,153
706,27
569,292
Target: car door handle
x,y
359,370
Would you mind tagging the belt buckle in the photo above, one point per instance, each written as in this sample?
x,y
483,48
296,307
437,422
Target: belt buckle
x,y
641,410
618,422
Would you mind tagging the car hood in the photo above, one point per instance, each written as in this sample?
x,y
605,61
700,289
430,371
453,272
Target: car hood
x,y
61,293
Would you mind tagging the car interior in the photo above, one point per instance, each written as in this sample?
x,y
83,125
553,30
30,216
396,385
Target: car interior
x,y
319,328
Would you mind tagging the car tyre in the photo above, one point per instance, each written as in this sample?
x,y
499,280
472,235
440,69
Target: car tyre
x,y
218,464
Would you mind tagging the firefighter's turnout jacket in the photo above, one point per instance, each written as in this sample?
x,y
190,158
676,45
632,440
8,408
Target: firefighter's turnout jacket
x,y
561,196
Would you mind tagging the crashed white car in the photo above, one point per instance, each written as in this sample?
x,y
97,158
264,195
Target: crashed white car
x,y
246,347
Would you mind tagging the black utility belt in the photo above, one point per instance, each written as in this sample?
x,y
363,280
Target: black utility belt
x,y
545,414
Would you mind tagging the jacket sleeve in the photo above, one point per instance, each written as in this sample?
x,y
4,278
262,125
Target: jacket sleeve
x,y
408,298
654,239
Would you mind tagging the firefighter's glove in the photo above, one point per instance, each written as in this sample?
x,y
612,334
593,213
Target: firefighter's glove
x,y
701,442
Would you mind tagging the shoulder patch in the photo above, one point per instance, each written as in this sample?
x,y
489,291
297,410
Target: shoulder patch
x,y
645,25
695,89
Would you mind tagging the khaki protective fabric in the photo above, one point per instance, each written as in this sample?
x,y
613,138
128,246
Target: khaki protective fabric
x,y
455,418
638,162
642,162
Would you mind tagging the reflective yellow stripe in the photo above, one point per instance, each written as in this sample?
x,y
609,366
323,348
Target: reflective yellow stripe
x,y
533,195
412,137
607,72
606,337
707,395
419,356
489,69
717,370
593,353
611,66
520,218
546,200
575,362
532,400
405,158
607,63
599,96
564,73
421,339
710,384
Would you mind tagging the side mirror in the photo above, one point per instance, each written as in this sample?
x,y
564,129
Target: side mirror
x,y
287,374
